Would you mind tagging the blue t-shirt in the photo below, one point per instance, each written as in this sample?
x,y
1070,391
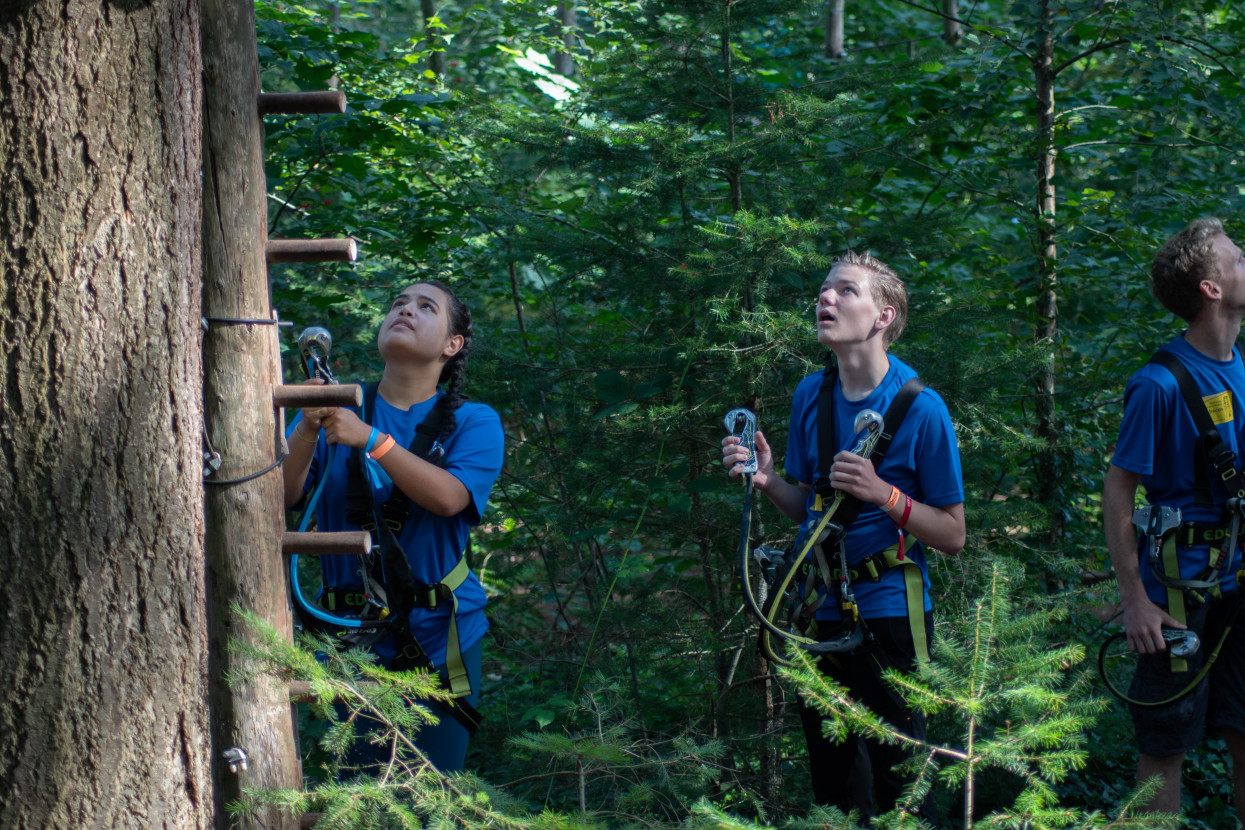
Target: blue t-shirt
x,y
433,544
1158,442
923,461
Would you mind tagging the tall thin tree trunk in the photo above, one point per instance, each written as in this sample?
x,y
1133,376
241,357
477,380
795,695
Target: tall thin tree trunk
x,y
950,22
734,176
103,637
436,60
564,61
834,29
241,365
1046,324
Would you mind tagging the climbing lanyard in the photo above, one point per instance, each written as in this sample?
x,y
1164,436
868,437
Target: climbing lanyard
x,y
742,422
838,511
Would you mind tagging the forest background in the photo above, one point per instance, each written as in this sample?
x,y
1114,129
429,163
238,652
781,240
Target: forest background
x,y
638,200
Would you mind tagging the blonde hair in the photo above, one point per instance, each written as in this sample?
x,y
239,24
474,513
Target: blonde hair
x,y
885,286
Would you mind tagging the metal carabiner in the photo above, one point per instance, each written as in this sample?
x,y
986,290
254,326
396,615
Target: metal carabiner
x,y
314,346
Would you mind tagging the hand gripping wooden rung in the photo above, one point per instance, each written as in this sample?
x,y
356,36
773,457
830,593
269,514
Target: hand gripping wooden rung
x,y
298,395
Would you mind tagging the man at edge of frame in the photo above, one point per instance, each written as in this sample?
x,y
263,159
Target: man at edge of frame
x,y
1198,275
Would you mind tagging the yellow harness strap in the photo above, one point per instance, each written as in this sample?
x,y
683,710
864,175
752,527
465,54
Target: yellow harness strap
x,y
1175,596
914,595
460,684
914,588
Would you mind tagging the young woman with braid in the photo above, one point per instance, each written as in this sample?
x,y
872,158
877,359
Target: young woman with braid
x,y
424,339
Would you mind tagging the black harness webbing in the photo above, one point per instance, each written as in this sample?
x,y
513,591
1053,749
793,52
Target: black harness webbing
x,y
837,516
396,578
827,444
397,508
1212,451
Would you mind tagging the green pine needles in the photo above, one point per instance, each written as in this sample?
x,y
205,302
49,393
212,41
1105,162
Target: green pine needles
x,y
617,774
1000,696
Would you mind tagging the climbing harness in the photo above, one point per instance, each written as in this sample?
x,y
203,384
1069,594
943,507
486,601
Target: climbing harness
x,y
838,510
1163,528
360,617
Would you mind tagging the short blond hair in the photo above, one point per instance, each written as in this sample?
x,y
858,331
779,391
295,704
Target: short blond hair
x,y
885,286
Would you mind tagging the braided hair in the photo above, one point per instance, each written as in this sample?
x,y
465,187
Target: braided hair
x,y
455,369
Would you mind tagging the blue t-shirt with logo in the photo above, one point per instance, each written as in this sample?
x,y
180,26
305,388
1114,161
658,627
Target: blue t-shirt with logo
x,y
433,544
1158,441
923,461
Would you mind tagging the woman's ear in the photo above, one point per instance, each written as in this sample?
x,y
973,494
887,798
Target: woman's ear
x,y
453,345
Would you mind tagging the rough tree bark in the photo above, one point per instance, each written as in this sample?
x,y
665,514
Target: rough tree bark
x,y
103,648
241,364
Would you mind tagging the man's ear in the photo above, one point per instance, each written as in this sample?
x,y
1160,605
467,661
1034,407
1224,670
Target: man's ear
x,y
1211,290
885,317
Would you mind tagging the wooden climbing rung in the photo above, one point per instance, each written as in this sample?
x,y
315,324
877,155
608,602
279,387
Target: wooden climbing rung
x,y
297,395
330,101
311,250
323,544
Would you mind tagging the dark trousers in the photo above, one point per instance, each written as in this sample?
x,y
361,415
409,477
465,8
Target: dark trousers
x,y
858,773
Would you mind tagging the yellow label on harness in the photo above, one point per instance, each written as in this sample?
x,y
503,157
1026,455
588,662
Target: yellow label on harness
x,y
1220,407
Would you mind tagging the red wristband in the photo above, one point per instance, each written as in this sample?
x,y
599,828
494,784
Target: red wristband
x,y
385,446
907,511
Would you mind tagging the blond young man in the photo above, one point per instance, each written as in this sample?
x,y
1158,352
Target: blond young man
x,y
914,494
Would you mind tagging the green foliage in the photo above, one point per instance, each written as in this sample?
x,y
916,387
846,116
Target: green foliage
x,y
598,749
1006,700
614,773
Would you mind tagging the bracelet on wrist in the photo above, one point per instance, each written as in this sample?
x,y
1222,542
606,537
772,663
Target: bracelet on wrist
x,y
907,511
385,445
894,498
298,430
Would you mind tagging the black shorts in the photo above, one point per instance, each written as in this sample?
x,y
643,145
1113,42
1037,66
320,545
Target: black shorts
x,y
1218,701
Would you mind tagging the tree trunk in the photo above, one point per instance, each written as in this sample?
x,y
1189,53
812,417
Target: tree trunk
x,y
564,61
436,60
950,22
1046,324
241,364
103,646
834,29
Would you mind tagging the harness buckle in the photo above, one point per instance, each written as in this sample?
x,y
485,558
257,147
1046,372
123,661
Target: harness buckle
x,y
431,596
1224,464
871,565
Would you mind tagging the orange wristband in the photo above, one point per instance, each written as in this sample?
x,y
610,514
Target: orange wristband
x,y
894,499
385,446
